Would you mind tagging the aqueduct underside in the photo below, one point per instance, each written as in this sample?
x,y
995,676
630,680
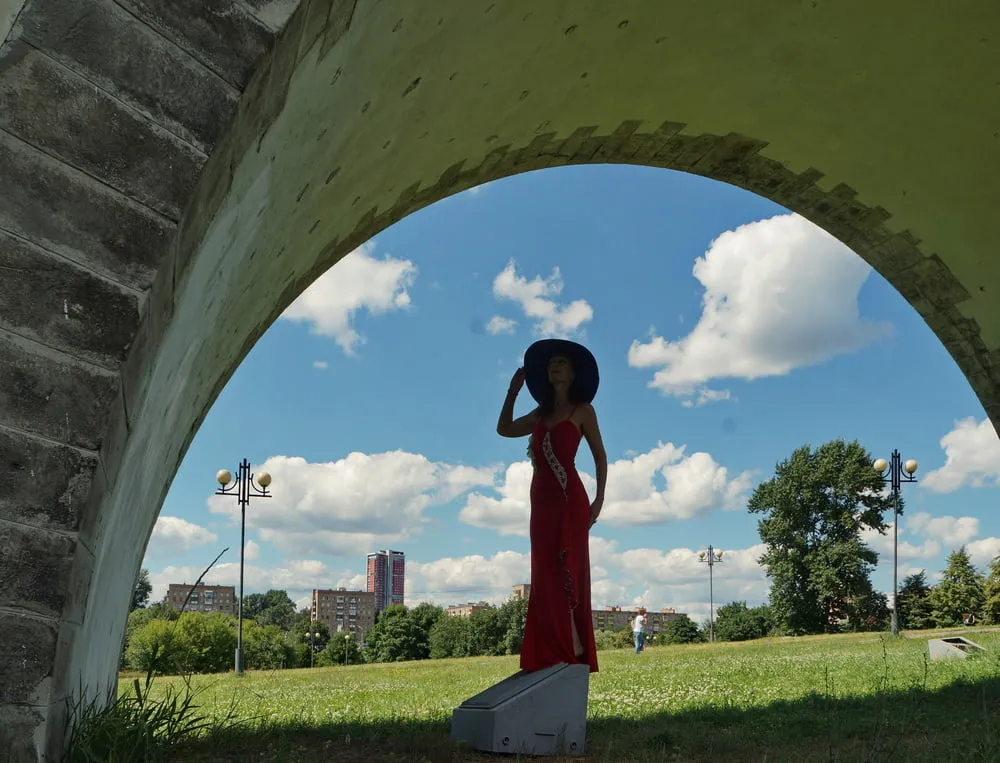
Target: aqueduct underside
x,y
173,174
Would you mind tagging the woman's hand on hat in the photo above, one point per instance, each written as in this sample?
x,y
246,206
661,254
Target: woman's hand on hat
x,y
517,381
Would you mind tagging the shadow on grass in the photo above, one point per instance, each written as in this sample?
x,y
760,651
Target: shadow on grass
x,y
956,722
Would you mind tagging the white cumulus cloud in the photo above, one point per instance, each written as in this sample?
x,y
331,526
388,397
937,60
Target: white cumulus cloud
x,y
972,458
500,325
457,580
983,551
779,294
251,551
350,505
358,282
882,544
538,300
655,487
951,531
173,535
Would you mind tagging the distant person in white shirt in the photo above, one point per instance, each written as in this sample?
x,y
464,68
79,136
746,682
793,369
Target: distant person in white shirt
x,y
639,630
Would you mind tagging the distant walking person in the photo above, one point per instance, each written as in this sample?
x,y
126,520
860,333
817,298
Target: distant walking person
x,y
639,630
562,378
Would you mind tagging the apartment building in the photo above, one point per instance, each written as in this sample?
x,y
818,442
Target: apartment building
x,y
204,598
612,618
387,578
467,610
521,591
342,610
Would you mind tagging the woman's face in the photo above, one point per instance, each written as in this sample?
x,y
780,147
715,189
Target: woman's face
x,y
560,370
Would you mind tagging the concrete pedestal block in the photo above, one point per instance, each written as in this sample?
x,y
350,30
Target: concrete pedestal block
x,y
538,713
953,648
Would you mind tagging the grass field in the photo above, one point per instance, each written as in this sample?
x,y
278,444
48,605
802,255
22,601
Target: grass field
x,y
832,698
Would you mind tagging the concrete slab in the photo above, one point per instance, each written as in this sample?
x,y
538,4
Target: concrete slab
x,y
539,713
953,648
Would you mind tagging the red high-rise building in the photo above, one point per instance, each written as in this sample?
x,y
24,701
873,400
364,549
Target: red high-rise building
x,y
386,578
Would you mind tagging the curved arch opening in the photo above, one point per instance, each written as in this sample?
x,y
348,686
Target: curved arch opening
x,y
364,113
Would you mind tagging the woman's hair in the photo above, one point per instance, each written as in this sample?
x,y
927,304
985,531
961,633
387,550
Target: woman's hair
x,y
642,610
547,405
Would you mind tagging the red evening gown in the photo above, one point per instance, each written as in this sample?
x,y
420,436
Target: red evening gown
x,y
560,553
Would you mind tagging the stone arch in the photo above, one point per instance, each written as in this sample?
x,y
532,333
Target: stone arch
x,y
366,111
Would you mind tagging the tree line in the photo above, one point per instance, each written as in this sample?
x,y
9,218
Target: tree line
x,y
814,511
160,639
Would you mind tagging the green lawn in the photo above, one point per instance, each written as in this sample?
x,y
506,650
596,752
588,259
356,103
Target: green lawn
x,y
844,698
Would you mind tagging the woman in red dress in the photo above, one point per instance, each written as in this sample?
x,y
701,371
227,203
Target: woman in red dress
x,y
562,377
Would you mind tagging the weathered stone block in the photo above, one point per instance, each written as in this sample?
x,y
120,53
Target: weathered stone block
x,y
17,733
55,302
69,213
157,312
27,652
81,574
49,107
947,290
228,39
115,438
130,60
36,568
46,394
91,515
274,13
728,159
43,484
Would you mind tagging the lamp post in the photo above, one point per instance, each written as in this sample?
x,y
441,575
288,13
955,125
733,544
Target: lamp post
x,y
313,634
711,558
895,471
244,487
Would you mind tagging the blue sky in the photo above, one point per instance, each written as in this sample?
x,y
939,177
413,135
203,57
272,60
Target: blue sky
x,y
728,332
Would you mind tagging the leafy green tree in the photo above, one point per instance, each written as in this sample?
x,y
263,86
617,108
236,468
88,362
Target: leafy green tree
x,y
395,637
210,638
253,605
961,590
139,617
278,610
141,592
265,647
450,637
681,630
869,612
620,638
511,616
342,649
815,508
424,616
487,632
991,592
915,602
159,647
738,622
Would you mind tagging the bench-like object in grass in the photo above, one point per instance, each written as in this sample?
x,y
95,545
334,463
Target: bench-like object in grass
x,y
539,713
953,648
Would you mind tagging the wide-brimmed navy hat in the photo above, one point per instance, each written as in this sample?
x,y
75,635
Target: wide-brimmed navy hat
x,y
536,368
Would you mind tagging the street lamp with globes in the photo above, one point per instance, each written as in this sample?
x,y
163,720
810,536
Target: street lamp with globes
x,y
244,487
895,471
313,634
711,558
